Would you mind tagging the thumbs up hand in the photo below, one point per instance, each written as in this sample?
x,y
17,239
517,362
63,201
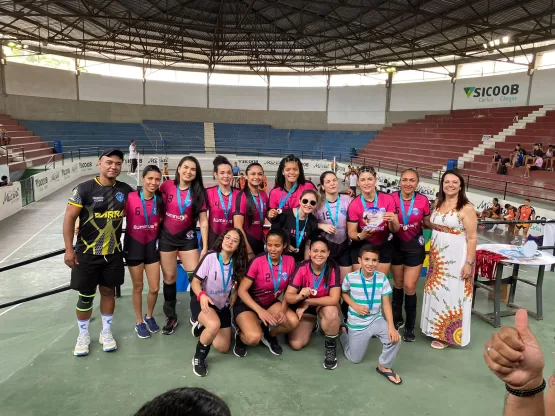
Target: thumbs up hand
x,y
514,355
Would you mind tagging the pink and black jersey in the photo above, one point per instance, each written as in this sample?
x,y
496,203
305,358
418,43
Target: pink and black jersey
x,y
335,213
409,237
143,218
356,213
268,285
305,277
176,225
254,213
220,217
217,286
279,198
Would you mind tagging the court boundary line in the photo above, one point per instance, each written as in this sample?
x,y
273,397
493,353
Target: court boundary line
x,y
19,304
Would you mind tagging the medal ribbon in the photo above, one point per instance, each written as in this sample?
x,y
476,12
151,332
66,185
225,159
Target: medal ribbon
x,y
406,218
187,199
145,211
299,235
370,300
275,281
229,203
283,201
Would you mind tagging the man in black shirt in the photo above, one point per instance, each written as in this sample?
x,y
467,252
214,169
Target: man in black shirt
x,y
97,259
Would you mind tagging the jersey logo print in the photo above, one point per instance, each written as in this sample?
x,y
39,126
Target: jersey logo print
x,y
119,197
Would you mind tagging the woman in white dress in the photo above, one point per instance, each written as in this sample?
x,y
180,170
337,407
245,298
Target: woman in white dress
x,y
447,305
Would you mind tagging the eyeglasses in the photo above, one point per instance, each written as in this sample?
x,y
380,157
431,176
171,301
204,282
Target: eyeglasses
x,y
311,202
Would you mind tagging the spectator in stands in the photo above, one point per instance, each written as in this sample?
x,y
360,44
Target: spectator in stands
x,y
495,161
5,140
353,177
133,156
185,401
515,118
5,181
493,212
531,158
242,181
166,172
538,164
525,212
549,158
517,156
347,173
236,170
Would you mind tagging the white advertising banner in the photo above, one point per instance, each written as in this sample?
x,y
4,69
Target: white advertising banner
x,y
495,91
10,197
51,180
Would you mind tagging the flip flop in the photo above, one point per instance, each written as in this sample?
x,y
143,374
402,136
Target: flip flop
x,y
388,374
438,345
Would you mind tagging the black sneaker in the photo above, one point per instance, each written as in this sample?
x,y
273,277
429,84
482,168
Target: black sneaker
x,y
330,360
169,326
272,344
240,349
200,367
399,325
197,329
316,327
409,336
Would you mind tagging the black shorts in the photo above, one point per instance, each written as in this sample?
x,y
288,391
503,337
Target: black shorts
x,y
166,244
354,189
344,258
311,310
385,249
241,307
94,270
410,258
136,253
256,245
224,314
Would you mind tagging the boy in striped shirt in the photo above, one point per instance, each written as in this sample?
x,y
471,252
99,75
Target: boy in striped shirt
x,y
367,291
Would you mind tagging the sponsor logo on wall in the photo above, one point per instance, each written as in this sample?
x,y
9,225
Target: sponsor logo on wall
x,y
11,196
493,93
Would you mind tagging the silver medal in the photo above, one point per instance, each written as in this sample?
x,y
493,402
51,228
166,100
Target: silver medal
x,y
279,211
405,227
314,292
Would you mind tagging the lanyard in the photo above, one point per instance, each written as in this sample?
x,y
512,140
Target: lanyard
x,y
320,278
229,202
187,199
406,218
370,300
153,210
259,208
277,280
299,235
363,202
225,281
335,221
282,201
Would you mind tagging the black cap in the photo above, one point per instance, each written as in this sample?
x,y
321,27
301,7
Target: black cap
x,y
112,152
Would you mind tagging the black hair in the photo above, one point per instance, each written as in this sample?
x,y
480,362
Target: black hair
x,y
240,257
413,170
151,168
185,401
462,200
280,178
281,233
220,160
496,200
330,263
368,248
251,209
4,177
159,198
198,193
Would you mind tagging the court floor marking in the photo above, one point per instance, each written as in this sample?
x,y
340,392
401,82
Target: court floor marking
x,y
19,304
31,238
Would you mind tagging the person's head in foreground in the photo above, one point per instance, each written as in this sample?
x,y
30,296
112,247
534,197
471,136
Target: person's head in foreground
x,y
185,401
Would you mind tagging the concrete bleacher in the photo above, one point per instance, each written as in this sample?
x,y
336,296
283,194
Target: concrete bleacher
x,y
26,149
80,135
175,136
310,143
428,143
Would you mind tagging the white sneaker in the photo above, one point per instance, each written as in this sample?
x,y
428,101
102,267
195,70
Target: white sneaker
x,y
108,342
82,347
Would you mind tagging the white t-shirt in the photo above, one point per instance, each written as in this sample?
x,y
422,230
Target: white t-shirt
x,y
132,152
353,180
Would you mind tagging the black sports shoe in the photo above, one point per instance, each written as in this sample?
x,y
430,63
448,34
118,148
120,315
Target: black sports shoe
x,y
200,367
399,325
272,344
409,336
240,349
169,326
316,327
197,329
330,360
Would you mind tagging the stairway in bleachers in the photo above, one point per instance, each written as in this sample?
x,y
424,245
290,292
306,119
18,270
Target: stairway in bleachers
x,y
26,149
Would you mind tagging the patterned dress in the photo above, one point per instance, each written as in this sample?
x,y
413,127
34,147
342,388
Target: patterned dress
x,y
447,305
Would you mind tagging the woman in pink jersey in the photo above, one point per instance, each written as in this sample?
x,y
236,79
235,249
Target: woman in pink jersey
x,y
259,295
252,210
414,213
372,218
290,184
143,213
213,296
185,202
313,292
221,200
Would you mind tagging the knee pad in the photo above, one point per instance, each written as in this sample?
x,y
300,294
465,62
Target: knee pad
x,y
85,302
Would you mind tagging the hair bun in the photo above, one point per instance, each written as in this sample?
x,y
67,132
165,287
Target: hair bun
x,y
220,160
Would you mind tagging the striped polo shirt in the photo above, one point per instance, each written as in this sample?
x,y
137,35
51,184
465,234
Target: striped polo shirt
x,y
352,284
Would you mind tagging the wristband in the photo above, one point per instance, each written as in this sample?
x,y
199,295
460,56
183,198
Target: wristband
x,y
526,393
200,295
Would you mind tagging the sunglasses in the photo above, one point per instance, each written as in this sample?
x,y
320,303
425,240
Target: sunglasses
x,y
311,202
